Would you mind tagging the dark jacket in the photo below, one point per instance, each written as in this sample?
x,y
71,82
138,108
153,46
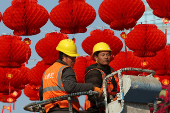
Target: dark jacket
x,y
95,77
69,82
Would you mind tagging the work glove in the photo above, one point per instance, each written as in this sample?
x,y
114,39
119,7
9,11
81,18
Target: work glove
x,y
99,90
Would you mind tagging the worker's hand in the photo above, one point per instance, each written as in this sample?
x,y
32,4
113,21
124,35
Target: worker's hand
x,y
98,90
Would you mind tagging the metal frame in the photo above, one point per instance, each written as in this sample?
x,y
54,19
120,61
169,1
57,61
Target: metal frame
x,y
37,106
120,94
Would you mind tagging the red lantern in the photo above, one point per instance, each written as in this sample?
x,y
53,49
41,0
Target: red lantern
x,y
121,14
13,51
106,36
46,47
32,94
160,8
70,16
161,62
5,87
124,60
15,77
7,99
36,73
89,61
25,17
79,68
24,72
145,40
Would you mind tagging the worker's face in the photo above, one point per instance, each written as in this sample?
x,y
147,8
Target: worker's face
x,y
69,60
103,57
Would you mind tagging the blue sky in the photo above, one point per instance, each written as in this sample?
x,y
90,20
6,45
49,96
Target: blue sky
x,y
48,27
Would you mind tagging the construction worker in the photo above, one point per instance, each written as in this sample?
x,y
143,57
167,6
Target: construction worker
x,y
95,74
59,79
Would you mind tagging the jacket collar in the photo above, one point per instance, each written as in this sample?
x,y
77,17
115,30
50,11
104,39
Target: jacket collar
x,y
62,62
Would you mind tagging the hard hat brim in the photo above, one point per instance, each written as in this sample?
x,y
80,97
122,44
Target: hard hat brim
x,y
73,55
101,51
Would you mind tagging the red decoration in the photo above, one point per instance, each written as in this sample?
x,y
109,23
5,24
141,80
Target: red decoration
x,y
46,47
10,100
15,77
74,40
72,16
124,60
25,17
89,61
36,88
144,63
5,87
0,16
80,65
14,94
13,51
27,41
9,75
121,14
161,62
106,36
123,35
24,73
165,20
165,80
160,8
7,99
4,107
13,105
79,68
8,108
32,94
36,73
145,40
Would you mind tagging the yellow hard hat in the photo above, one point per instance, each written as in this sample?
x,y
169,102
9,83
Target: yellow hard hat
x,y
101,46
68,47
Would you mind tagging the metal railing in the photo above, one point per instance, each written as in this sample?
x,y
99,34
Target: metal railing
x,y
37,106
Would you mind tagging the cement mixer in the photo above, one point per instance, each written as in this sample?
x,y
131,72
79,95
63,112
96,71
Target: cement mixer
x,y
136,92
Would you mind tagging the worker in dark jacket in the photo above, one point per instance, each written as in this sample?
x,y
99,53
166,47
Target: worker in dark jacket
x,y
95,74
59,79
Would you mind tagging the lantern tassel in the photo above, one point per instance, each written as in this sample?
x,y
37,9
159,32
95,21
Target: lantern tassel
x,y
27,57
2,109
9,89
125,31
125,49
166,31
10,108
14,106
166,94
